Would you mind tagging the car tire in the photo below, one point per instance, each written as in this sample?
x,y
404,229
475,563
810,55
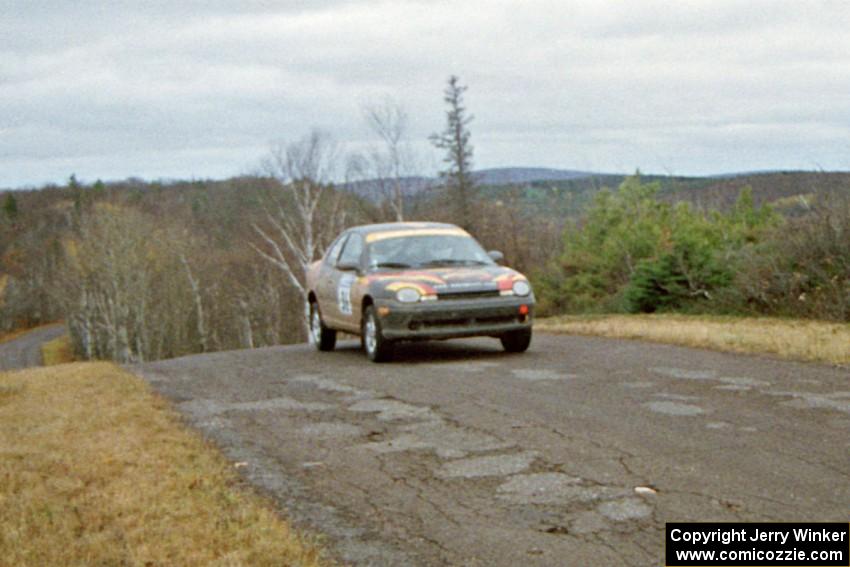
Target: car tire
x,y
377,348
516,341
323,337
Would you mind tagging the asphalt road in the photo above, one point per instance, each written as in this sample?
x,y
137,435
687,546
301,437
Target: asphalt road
x,y
25,351
574,453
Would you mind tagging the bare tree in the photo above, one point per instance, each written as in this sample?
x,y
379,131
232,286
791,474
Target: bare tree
x,y
393,160
305,213
197,298
122,297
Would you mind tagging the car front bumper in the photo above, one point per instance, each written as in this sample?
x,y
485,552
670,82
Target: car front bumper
x,y
446,319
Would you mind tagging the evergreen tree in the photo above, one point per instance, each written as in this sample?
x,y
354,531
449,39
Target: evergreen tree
x,y
98,190
10,206
76,191
636,253
455,141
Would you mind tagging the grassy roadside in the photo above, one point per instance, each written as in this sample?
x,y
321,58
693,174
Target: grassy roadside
x,y
96,470
57,351
793,339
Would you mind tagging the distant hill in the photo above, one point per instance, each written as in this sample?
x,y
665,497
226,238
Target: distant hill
x,y
376,189
768,187
543,192
372,188
564,193
758,172
566,198
511,175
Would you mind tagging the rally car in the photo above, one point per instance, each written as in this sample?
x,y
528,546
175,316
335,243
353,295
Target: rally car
x,y
415,281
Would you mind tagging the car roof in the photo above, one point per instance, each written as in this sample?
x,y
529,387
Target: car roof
x,y
394,226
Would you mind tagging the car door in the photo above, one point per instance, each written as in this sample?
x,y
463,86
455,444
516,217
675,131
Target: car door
x,y
326,285
347,268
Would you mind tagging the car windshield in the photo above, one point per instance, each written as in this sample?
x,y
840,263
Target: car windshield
x,y
427,250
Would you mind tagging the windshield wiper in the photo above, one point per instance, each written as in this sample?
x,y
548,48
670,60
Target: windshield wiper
x,y
392,265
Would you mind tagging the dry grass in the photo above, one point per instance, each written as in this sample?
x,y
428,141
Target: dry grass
x,y
57,351
815,341
96,470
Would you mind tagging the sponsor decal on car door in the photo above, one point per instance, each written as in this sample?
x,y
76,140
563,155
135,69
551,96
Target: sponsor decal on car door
x,y
343,294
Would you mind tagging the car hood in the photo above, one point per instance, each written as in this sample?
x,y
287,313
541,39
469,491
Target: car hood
x,y
469,279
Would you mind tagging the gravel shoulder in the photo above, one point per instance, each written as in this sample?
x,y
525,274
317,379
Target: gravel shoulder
x,y
25,351
575,452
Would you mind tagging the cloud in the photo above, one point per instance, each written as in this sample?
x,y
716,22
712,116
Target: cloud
x,y
172,89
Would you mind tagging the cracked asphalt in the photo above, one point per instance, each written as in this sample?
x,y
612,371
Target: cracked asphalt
x,y
576,452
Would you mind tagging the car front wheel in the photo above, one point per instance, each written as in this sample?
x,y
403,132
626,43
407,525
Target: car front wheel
x,y
516,341
378,349
321,336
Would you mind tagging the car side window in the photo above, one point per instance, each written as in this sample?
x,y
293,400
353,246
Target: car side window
x,y
333,252
352,251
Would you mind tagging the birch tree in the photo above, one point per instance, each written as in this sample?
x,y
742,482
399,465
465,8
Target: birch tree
x,y
304,214
123,297
197,298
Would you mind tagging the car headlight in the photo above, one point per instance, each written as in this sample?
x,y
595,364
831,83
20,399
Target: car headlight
x,y
408,295
521,287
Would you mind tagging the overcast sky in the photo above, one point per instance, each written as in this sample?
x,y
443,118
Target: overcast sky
x,y
182,89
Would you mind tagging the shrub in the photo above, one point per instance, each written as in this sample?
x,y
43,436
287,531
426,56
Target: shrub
x,y
633,252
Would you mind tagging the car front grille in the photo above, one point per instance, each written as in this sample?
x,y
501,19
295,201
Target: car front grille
x,y
468,295
464,322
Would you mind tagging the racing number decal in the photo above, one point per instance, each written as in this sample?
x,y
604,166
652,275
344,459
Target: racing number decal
x,y
343,294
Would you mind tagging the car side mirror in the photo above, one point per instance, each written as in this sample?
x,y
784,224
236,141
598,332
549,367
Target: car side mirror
x,y
496,256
